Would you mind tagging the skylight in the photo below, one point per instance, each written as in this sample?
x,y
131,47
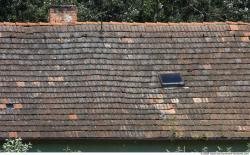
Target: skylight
x,y
169,80
9,106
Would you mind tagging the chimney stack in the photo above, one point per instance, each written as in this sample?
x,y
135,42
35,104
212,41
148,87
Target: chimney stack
x,y
63,14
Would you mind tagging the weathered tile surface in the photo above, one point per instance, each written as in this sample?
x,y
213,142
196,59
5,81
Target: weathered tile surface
x,y
81,81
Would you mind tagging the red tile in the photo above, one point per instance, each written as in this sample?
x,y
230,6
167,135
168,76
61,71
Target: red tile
x,y
13,134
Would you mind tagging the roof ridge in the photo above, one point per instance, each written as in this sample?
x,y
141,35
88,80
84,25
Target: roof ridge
x,y
126,23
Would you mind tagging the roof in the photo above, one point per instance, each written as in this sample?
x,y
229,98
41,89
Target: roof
x,y
101,80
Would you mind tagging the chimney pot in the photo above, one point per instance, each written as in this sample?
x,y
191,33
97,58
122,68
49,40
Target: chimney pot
x,y
63,14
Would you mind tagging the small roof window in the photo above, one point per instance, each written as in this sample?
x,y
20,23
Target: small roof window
x,y
169,80
10,106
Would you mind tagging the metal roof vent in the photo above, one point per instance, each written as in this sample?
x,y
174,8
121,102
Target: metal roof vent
x,y
169,80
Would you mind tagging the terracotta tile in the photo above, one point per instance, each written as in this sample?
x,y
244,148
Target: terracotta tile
x,y
13,134
32,24
42,23
73,117
207,66
234,27
2,106
247,34
170,111
9,24
18,24
18,106
245,39
5,101
170,106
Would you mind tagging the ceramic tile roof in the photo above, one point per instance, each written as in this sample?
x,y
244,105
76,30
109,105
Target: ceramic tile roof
x,y
93,80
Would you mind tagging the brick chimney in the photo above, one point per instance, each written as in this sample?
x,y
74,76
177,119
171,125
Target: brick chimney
x,y
63,14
